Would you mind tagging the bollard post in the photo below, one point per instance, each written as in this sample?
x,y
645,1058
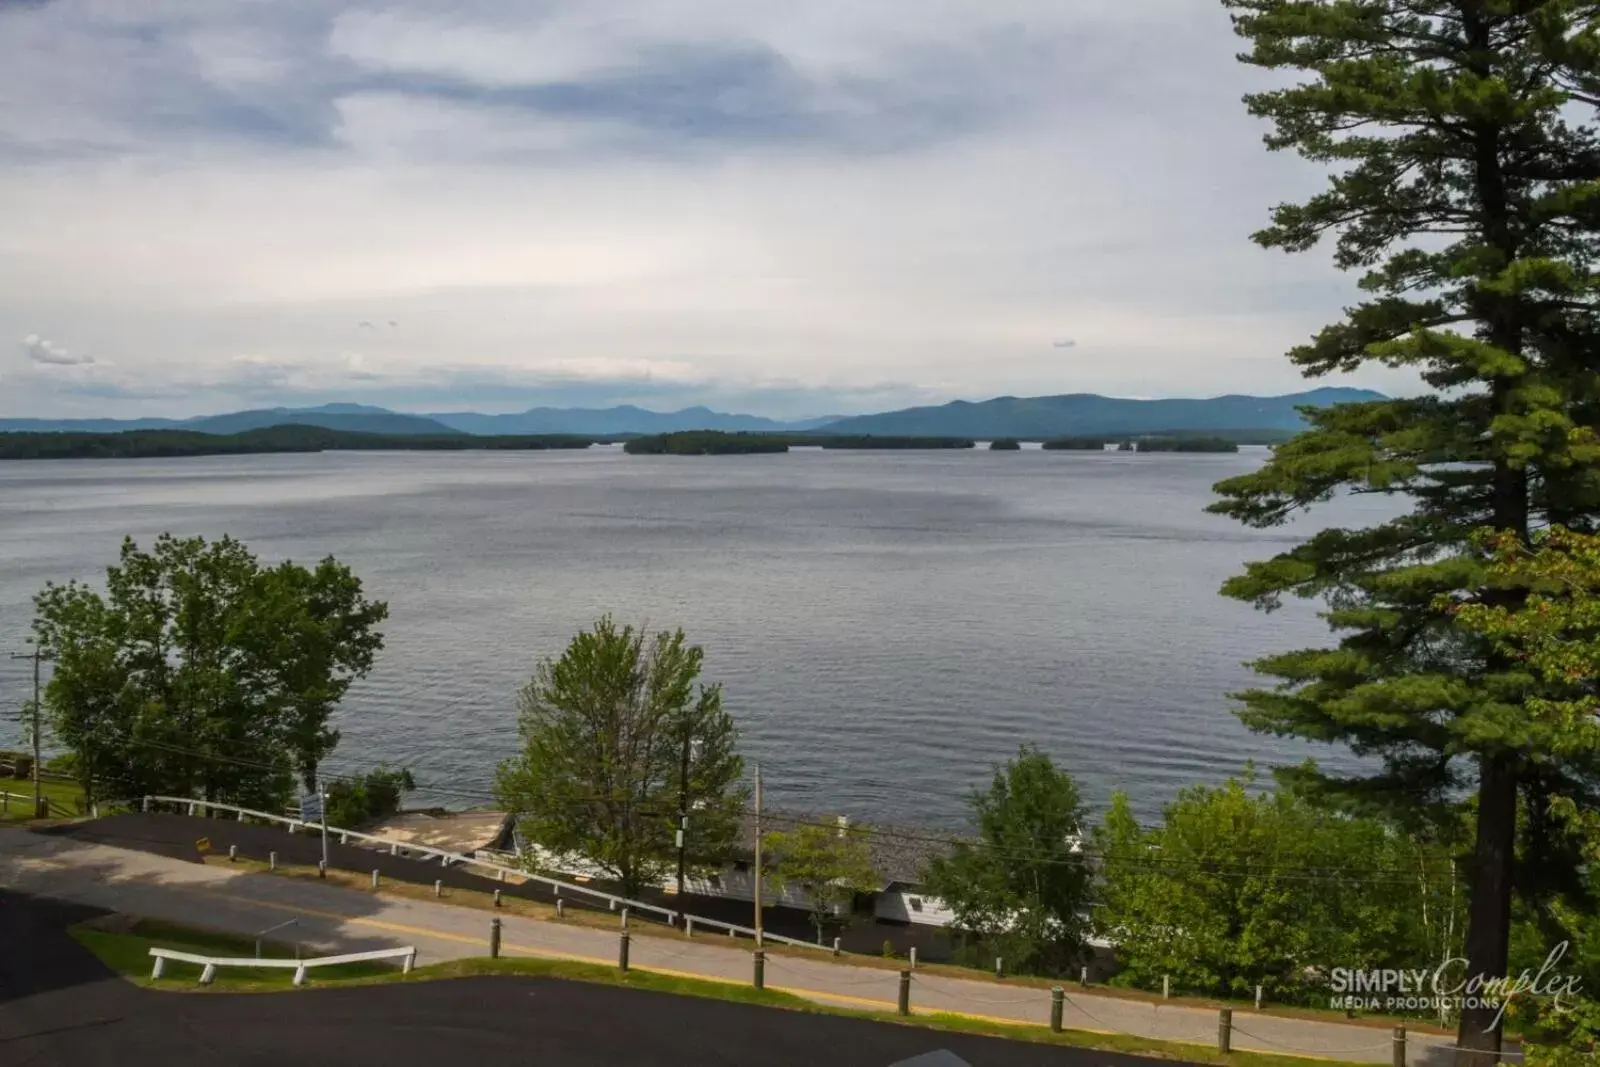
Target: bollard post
x,y
1058,997
1258,998
912,957
561,908
1083,977
688,926
624,918
233,853
1399,1046
322,868
438,888
494,938
497,898
759,959
272,861
622,952
999,967
1225,1030
903,1005
836,946
374,877
1166,987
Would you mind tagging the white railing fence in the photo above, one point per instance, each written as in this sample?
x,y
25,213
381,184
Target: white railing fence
x,y
497,870
209,964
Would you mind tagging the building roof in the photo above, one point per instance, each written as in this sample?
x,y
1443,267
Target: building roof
x,y
897,853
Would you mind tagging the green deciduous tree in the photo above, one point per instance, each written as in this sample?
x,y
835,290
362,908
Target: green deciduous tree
x,y
1237,889
603,731
1022,888
374,795
201,673
1467,192
830,865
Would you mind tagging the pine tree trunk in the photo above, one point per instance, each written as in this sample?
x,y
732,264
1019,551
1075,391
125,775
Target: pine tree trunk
x,y
1489,917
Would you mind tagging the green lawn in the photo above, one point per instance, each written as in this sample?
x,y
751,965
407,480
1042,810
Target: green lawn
x,y
128,953
63,794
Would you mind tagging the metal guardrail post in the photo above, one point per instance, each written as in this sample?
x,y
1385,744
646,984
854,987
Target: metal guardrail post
x,y
272,861
903,1006
758,961
374,877
561,908
1058,998
1225,1030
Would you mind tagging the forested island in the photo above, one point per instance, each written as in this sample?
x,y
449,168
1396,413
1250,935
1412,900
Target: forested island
x,y
1005,444
1185,444
704,443
1075,444
148,444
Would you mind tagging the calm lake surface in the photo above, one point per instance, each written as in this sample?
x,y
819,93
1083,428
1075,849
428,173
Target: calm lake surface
x,y
886,625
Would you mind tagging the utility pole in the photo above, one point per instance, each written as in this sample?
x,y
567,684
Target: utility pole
x,y
683,805
758,855
38,791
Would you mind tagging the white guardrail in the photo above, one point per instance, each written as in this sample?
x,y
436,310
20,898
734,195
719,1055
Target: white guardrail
x,y
448,858
408,956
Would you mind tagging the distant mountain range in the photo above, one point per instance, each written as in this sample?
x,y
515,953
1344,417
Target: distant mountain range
x,y
618,420
1088,414
1006,416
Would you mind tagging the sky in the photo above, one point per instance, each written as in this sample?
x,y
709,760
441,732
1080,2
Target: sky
x,y
783,208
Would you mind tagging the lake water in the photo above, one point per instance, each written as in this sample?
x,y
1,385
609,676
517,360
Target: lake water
x,y
886,625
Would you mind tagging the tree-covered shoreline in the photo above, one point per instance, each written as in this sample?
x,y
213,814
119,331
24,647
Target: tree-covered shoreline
x,y
157,444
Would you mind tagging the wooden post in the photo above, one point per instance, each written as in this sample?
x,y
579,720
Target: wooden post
x,y
624,918
374,877
1058,997
272,861
157,967
999,967
622,952
1258,998
438,888
494,938
561,908
688,926
322,868
836,946
1225,1030
1399,1046
903,1005
497,898
1166,987
759,959
233,853
912,954
1083,977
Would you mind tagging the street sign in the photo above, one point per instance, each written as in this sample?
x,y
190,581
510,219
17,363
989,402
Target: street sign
x,y
311,807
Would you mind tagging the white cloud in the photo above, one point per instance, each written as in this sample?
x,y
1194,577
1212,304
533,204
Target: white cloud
x,y
744,198
42,350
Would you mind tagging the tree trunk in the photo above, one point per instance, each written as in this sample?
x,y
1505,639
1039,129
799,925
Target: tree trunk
x,y
1489,915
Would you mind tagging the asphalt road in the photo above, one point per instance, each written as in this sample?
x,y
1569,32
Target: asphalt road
x,y
59,1007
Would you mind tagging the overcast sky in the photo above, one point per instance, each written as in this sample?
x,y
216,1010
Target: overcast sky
x,y
764,205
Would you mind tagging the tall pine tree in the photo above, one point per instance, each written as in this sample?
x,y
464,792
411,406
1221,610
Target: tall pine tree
x,y
1466,189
